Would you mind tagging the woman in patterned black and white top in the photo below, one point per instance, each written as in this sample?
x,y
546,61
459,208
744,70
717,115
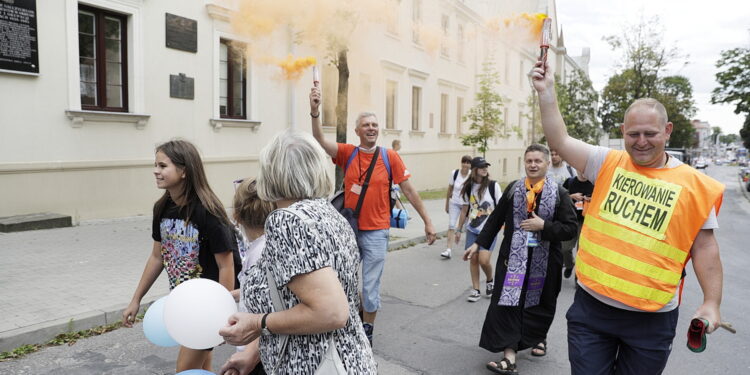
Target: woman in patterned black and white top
x,y
312,255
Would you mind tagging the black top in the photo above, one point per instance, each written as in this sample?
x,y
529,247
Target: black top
x,y
562,227
574,185
188,248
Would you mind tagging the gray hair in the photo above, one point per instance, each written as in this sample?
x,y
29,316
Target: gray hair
x,y
538,148
651,104
294,166
362,115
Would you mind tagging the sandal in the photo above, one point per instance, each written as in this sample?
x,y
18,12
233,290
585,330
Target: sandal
x,y
503,367
541,349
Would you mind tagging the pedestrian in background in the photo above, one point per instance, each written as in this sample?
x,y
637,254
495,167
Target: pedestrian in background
x,y
454,202
250,213
580,189
537,214
192,236
310,262
480,196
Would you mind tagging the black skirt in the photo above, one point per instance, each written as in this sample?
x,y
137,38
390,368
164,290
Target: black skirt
x,y
517,327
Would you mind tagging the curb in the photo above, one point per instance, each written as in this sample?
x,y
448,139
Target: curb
x,y
41,333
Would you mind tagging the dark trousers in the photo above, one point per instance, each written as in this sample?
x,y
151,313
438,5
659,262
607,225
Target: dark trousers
x,y
606,340
567,248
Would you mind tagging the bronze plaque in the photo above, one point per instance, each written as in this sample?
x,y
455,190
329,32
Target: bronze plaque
x,y
181,86
182,33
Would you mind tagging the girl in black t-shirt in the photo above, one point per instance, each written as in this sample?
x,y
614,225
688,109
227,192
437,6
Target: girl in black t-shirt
x,y
192,235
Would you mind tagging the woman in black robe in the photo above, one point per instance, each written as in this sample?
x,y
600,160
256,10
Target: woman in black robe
x,y
519,327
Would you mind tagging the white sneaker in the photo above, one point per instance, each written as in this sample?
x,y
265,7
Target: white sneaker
x,y
446,254
474,296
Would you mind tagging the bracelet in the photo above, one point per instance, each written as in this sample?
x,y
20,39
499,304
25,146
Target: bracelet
x,y
314,116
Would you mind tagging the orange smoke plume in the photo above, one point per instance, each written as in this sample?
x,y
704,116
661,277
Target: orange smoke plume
x,y
532,23
292,68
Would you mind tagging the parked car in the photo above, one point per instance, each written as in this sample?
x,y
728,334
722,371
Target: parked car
x,y
701,163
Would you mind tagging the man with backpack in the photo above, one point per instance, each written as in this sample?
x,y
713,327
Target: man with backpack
x,y
454,203
369,171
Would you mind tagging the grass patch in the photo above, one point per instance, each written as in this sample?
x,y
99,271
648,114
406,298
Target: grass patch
x,y
68,338
433,194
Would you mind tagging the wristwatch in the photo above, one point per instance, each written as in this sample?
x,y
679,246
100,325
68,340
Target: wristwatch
x,y
263,329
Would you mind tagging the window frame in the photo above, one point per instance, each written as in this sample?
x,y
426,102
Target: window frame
x,y
101,63
231,50
416,108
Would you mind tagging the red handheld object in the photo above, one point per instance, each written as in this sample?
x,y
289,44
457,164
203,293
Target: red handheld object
x,y
696,337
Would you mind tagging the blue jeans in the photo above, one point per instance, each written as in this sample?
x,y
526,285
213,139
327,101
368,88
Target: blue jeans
x,y
373,245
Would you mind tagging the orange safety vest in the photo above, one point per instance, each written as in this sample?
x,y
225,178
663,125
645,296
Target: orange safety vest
x,y
640,226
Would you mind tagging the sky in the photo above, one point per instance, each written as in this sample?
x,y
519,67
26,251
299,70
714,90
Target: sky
x,y
699,29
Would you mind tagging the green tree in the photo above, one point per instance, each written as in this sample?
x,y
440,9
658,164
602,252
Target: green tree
x,y
644,59
745,132
577,100
733,79
676,93
486,116
728,139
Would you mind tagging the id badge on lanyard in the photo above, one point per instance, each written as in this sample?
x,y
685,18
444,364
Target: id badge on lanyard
x,y
531,240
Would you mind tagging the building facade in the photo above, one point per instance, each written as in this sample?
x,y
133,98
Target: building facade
x,y
118,77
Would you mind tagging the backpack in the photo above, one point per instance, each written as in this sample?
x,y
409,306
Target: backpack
x,y
338,199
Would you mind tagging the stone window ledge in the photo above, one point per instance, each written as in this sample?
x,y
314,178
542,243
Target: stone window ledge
x,y
392,131
445,135
218,123
329,129
78,118
417,132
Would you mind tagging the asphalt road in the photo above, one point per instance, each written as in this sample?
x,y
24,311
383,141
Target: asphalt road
x,y
427,327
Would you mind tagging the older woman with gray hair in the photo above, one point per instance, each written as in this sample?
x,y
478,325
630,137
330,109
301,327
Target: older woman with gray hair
x,y
311,256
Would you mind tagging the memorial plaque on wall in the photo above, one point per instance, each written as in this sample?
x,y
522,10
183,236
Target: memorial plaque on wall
x,y
18,37
181,86
182,33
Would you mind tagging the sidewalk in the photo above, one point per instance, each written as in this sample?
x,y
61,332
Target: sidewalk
x,y
57,280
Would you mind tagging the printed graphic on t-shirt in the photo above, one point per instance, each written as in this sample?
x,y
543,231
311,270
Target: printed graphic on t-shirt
x,y
180,247
640,203
478,213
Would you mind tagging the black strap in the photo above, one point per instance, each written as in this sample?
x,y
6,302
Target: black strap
x,y
570,170
492,192
455,175
367,182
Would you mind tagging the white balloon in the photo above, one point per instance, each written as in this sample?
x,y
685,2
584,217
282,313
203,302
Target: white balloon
x,y
195,311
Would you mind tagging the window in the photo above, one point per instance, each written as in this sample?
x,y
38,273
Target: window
x,y
444,24
443,113
505,166
391,87
416,17
416,106
232,80
460,44
102,55
392,21
459,114
505,121
521,74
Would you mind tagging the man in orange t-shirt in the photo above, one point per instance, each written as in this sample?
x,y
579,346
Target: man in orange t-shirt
x,y
375,214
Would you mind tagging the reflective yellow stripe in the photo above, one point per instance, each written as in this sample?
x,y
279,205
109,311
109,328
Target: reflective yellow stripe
x,y
622,285
629,263
635,238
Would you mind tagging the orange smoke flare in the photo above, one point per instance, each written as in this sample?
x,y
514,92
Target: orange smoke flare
x,y
531,22
292,68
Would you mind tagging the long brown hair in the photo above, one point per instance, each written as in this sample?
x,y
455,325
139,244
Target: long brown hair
x,y
183,154
466,190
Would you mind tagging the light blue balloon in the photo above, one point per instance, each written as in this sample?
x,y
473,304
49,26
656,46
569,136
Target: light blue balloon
x,y
195,372
154,327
